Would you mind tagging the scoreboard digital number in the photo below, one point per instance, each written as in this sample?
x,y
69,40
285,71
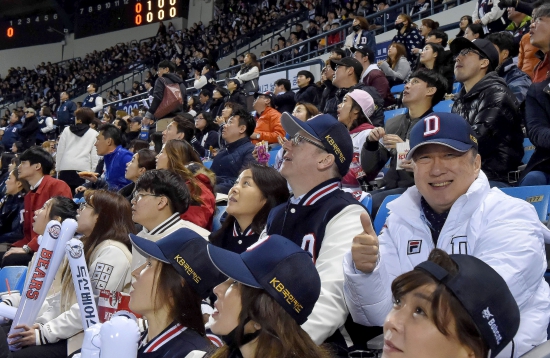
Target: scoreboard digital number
x,y
94,17
30,30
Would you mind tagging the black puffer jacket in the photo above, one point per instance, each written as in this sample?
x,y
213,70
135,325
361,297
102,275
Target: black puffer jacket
x,y
377,117
492,110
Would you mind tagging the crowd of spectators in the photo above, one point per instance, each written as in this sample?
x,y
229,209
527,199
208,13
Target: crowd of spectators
x,y
170,172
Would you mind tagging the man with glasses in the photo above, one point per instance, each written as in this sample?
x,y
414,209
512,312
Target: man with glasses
x,y
320,217
231,160
540,38
159,199
30,128
490,107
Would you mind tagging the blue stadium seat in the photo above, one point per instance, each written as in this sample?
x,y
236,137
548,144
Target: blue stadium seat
x,y
538,196
207,164
528,150
397,88
367,203
444,106
15,276
216,224
457,86
394,112
272,156
386,167
383,212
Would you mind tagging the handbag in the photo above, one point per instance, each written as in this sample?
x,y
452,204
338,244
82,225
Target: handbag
x,y
171,99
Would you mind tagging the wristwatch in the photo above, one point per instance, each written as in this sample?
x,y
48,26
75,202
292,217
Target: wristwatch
x,y
258,136
27,249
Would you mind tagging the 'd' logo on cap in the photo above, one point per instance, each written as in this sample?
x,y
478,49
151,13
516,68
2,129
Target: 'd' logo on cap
x,y
432,125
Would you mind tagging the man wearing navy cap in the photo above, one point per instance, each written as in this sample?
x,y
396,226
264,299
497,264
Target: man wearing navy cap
x,y
452,208
320,217
490,107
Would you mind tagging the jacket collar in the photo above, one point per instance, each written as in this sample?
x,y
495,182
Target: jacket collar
x,y
117,149
320,191
238,143
165,225
164,337
237,230
408,207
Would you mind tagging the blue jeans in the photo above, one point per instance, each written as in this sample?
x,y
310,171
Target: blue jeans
x,y
535,178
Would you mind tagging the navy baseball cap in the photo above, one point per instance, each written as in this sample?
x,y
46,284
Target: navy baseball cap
x,y
348,62
448,129
186,251
364,50
485,296
325,128
272,264
485,47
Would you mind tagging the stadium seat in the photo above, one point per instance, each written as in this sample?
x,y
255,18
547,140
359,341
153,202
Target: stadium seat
x,y
207,164
540,351
383,212
272,156
538,196
216,224
386,167
444,106
528,150
394,112
15,275
397,88
457,86
367,203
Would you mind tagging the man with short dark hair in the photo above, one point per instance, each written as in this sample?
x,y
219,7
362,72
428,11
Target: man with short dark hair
x,y
517,80
167,76
302,35
109,146
441,38
308,92
519,25
36,165
134,129
206,79
93,100
205,99
336,54
347,73
372,75
487,103
236,94
11,132
283,99
229,162
540,33
180,128
159,199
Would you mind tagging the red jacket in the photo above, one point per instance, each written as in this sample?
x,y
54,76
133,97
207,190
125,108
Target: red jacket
x,y
34,200
269,126
202,215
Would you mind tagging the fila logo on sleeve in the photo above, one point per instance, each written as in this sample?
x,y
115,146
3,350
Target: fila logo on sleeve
x,y
414,247
432,125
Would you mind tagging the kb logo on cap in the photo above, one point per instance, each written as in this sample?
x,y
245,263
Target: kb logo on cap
x,y
432,125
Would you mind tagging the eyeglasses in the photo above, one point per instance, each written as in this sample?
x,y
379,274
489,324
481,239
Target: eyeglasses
x,y
137,196
467,51
297,139
83,206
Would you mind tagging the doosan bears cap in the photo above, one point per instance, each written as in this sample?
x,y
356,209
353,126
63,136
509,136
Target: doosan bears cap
x,y
278,266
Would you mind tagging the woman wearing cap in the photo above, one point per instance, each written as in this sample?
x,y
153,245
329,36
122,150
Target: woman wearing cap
x,y
256,191
435,313
206,133
354,112
168,291
260,308
105,221
176,156
396,67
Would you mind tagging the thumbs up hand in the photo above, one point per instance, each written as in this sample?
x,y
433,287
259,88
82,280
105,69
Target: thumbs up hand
x,y
364,249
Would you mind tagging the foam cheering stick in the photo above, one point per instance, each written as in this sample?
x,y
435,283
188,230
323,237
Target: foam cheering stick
x,y
120,334
82,283
42,273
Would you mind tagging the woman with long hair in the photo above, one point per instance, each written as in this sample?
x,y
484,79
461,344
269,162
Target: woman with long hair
x,y
11,206
360,36
248,75
206,133
142,161
354,112
169,295
427,26
47,128
396,67
408,35
433,58
193,104
257,190
256,318
105,221
463,24
435,315
176,156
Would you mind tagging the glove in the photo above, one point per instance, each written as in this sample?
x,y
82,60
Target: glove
x,y
504,4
